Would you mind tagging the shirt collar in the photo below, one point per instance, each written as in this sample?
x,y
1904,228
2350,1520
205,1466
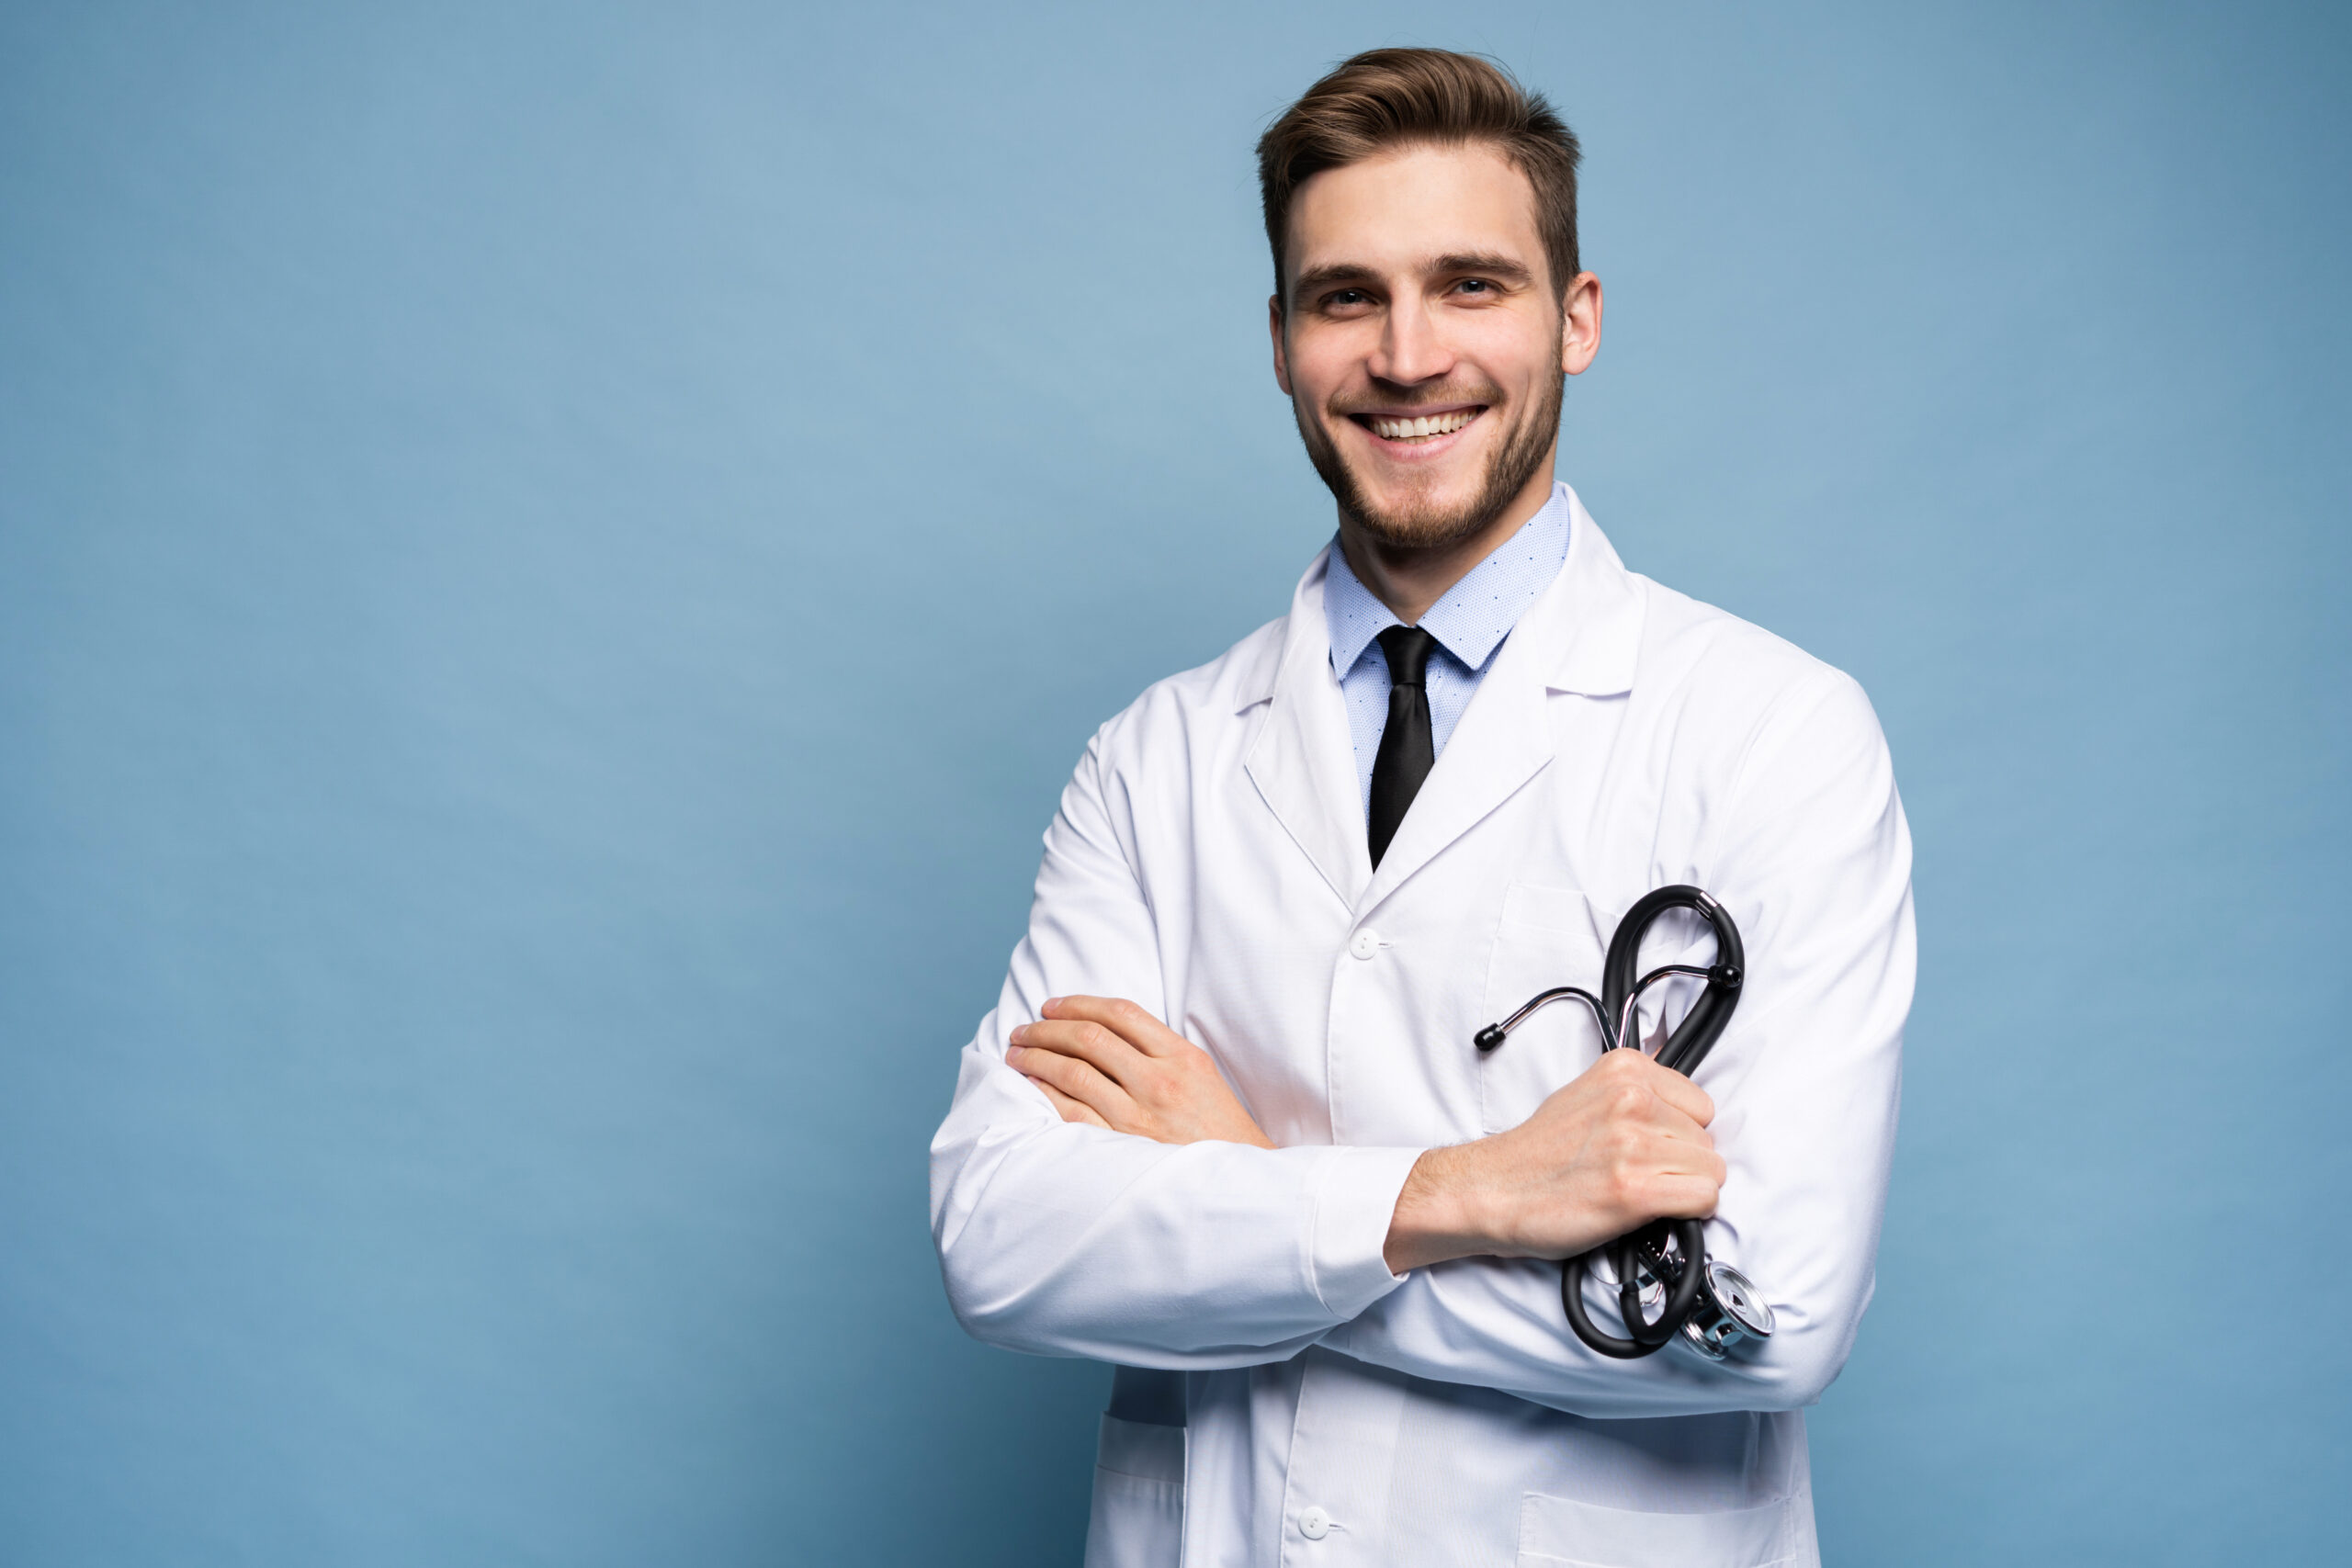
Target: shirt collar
x,y
1472,616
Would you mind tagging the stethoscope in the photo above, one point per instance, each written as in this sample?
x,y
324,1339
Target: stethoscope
x,y
1711,1306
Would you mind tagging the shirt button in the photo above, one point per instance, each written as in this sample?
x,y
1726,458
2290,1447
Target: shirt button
x,y
1365,943
1314,1524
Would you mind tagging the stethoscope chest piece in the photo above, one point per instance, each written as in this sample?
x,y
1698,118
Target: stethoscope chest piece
x,y
1729,1310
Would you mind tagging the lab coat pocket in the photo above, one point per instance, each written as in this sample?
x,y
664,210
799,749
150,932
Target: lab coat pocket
x,y
1548,936
1560,1533
1137,1519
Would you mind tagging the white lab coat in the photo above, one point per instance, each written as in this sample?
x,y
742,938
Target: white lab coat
x,y
1208,861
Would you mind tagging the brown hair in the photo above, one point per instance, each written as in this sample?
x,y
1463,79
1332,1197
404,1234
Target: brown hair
x,y
1392,97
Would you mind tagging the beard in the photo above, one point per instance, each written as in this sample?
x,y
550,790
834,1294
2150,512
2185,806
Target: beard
x,y
1418,522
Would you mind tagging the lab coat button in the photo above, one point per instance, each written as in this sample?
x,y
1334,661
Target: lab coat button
x,y
1365,943
1314,1524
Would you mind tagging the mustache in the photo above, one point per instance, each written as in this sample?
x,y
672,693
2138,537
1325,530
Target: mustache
x,y
1484,393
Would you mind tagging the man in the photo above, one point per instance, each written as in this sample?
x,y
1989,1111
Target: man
x,y
1227,1119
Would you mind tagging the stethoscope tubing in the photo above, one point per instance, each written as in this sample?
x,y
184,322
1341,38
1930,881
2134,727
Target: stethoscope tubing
x,y
1685,1046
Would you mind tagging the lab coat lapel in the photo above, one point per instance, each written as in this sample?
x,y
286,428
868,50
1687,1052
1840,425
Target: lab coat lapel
x,y
1303,761
1582,635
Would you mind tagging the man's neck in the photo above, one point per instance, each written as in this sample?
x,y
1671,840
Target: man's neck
x,y
1408,580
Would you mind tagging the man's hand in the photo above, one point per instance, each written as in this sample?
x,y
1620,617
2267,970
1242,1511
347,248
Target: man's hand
x,y
1110,1064
1624,1143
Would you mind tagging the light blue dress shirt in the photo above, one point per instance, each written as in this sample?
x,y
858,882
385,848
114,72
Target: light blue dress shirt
x,y
1469,623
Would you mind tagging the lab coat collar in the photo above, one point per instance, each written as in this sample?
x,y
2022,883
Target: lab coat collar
x,y
1593,616
1582,636
1303,760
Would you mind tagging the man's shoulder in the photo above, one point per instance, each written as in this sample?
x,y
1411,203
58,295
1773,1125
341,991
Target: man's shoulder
x,y
1737,681
1688,640
1223,689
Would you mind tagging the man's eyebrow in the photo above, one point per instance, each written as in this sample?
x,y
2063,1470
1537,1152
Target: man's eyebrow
x,y
1486,262
1337,275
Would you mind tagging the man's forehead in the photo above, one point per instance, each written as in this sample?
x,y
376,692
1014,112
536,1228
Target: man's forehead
x,y
1408,209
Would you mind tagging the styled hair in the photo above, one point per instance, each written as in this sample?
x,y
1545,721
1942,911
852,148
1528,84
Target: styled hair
x,y
1384,98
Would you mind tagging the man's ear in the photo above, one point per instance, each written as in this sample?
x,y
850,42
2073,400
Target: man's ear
x,y
1580,323
1274,328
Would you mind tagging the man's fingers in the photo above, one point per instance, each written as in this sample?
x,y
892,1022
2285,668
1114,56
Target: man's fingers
x,y
1076,1078
1125,1019
1683,1095
1627,1068
1091,1043
1684,1197
1697,1160
1071,1110
1669,1121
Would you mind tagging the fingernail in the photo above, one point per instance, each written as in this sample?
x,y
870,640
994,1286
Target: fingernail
x,y
1011,1052
1020,1031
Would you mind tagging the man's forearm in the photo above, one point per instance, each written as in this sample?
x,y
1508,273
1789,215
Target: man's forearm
x,y
1496,1322
1624,1143
1063,1239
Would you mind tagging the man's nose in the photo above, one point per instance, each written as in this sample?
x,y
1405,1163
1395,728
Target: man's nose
x,y
1411,349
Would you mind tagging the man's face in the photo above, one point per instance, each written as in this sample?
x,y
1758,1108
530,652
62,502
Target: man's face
x,y
1421,342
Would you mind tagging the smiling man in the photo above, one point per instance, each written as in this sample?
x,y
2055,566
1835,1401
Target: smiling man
x,y
1226,1126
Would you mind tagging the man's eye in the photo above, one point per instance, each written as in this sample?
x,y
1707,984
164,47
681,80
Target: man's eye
x,y
1346,297
1475,286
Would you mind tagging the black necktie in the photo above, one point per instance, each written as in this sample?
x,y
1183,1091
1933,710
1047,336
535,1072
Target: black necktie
x,y
1406,753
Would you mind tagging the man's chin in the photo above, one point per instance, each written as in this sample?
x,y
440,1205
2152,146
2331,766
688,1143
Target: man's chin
x,y
1423,524
1422,516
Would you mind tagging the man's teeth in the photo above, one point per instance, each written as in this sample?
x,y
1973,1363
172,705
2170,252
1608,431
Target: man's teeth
x,y
1432,424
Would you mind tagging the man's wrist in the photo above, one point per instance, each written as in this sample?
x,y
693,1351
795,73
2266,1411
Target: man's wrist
x,y
1438,1215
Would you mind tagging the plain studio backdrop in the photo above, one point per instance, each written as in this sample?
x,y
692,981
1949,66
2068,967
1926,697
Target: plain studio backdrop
x,y
554,560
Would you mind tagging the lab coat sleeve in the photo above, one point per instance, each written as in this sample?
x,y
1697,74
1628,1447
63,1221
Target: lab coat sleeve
x,y
1814,864
1063,1239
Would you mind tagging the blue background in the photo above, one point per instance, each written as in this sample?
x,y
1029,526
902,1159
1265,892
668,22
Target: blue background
x,y
553,560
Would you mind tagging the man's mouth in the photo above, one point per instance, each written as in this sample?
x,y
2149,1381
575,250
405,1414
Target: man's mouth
x,y
1411,428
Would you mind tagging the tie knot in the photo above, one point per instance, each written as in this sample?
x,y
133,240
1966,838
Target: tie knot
x,y
1408,650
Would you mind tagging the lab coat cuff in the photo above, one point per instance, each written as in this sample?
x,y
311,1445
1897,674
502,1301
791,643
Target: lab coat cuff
x,y
1355,1200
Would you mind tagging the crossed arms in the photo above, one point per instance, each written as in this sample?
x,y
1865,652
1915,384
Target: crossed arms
x,y
1624,1143
1098,1190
